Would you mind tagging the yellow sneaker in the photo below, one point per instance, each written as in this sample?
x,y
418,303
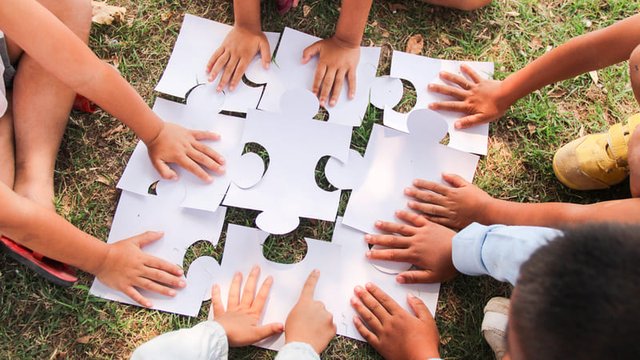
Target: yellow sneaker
x,y
596,161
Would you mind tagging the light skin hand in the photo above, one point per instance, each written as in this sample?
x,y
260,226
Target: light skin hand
x,y
454,206
235,54
126,268
337,60
175,144
244,310
480,99
392,331
309,321
422,243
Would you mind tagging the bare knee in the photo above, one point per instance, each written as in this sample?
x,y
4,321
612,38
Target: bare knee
x,y
75,14
634,70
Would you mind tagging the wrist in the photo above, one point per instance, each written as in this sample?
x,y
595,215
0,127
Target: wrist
x,y
346,41
488,212
153,135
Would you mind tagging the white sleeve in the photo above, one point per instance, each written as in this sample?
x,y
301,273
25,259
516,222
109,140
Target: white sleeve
x,y
205,341
297,351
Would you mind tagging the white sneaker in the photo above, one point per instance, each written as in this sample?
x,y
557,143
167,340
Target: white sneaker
x,y
494,325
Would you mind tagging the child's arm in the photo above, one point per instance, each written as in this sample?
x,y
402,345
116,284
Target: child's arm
x,y
66,57
339,55
240,46
122,266
487,100
464,203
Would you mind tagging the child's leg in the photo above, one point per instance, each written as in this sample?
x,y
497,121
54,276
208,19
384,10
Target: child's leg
x,y
466,5
7,159
41,106
634,143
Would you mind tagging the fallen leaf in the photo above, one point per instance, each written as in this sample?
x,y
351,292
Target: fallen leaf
x,y
385,34
415,44
536,43
102,180
594,77
83,339
395,7
512,13
306,10
103,13
166,16
532,128
445,39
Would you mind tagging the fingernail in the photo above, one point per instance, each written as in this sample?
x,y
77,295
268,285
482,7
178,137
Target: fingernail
x,y
353,300
358,290
268,280
368,254
432,106
316,272
148,304
368,286
332,103
378,223
430,87
412,203
222,169
368,237
400,279
410,296
458,125
172,293
254,268
182,284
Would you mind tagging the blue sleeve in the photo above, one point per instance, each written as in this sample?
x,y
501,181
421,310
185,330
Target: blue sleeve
x,y
497,250
297,351
205,341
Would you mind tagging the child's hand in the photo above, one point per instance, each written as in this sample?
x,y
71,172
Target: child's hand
x,y
336,60
126,267
175,144
309,321
421,243
240,320
235,54
391,330
479,98
455,207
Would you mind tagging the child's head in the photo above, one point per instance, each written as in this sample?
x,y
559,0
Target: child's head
x,y
579,297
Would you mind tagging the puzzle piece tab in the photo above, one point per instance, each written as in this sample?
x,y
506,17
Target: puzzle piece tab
x,y
182,228
243,250
198,114
198,39
295,143
422,71
287,73
392,161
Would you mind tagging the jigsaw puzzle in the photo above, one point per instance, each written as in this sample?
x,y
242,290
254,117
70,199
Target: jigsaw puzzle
x,y
422,71
288,73
295,143
200,113
243,250
182,227
198,39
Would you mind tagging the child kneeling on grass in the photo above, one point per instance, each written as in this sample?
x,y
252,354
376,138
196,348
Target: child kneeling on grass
x,y
575,294
49,70
308,329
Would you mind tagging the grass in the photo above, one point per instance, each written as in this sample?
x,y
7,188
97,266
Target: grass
x,y
41,321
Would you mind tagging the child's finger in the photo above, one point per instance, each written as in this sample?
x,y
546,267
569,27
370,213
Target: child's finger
x,y
217,157
429,209
351,82
458,106
327,84
396,228
470,120
228,72
444,221
193,167
455,180
431,186
416,277
214,58
379,311
202,159
234,292
467,70
219,65
137,297
249,291
205,135
263,294
216,301
265,331
157,263
430,197
317,79
419,308
163,277
337,87
383,298
164,170
310,52
265,53
370,337
146,238
150,285
400,255
309,286
237,75
411,218
366,315
456,92
456,79
389,241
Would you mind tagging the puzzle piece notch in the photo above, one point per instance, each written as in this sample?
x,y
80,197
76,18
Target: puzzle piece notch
x,y
288,73
386,91
288,190
244,249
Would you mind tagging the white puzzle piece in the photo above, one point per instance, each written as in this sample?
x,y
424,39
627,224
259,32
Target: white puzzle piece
x,y
287,72
295,143
198,39
182,227
356,269
243,250
422,71
198,114
392,161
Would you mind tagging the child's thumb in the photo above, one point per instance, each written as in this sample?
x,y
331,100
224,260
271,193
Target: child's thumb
x,y
265,53
310,52
268,330
164,170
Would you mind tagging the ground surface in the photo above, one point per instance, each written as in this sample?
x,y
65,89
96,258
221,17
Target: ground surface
x,y
41,321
